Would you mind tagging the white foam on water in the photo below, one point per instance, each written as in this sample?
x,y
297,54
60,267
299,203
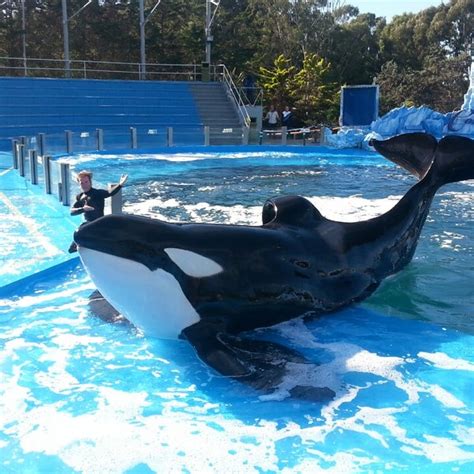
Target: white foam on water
x,y
347,209
174,157
442,361
116,437
352,358
121,430
27,301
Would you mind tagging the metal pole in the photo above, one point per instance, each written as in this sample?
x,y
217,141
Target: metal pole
x,y
41,143
208,32
133,137
142,40
115,201
67,62
284,131
21,159
169,136
143,22
65,186
47,174
100,139
66,19
33,167
68,141
207,138
23,34
15,153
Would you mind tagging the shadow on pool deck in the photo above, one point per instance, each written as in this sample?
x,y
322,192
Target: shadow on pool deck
x,y
35,228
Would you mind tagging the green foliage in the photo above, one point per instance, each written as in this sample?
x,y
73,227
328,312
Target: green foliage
x,y
276,82
440,84
308,89
315,97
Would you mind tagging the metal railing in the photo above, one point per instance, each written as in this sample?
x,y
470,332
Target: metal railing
x,y
234,94
86,69
252,96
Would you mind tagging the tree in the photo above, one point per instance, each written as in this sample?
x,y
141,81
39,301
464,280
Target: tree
x,y
440,84
276,81
315,97
355,49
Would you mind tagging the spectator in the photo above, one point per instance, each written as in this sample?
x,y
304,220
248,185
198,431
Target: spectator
x,y
272,118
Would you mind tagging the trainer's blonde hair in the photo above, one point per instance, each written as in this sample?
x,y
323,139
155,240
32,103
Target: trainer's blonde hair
x,y
83,174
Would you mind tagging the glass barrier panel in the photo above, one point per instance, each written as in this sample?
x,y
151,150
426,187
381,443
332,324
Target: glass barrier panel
x,y
117,138
85,140
55,143
225,136
188,136
55,176
151,137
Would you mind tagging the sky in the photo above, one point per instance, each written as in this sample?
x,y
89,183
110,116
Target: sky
x,y
390,8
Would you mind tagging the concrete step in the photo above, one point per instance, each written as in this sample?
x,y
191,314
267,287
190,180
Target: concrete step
x,y
217,112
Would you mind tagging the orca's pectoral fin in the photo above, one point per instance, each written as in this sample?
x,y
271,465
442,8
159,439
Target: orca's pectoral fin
x,y
260,364
100,307
212,350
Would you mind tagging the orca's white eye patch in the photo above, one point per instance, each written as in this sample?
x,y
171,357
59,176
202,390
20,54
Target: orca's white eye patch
x,y
193,264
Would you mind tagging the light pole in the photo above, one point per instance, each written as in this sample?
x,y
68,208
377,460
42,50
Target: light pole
x,y
23,35
143,21
66,20
207,31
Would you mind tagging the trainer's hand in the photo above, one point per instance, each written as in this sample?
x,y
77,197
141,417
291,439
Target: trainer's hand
x,y
87,208
123,179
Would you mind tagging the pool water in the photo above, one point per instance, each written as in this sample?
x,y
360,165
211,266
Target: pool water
x,y
78,394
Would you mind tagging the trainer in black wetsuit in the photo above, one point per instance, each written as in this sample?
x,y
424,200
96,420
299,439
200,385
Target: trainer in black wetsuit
x,y
91,201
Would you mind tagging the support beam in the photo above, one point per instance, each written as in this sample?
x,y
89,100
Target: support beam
x,y
143,21
210,14
66,20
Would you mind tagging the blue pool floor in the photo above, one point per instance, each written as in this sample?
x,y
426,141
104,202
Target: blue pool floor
x,y
36,230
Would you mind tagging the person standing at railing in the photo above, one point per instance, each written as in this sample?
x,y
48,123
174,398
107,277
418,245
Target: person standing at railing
x,y
272,118
91,201
287,117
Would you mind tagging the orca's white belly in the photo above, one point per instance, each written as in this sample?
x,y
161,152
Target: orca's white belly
x,y
151,300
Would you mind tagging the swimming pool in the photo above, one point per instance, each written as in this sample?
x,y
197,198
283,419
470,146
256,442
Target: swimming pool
x,y
79,394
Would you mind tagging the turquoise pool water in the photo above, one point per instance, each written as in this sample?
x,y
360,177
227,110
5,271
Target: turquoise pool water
x,y
82,395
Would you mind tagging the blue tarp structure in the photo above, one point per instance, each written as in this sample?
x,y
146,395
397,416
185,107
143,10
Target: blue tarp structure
x,y
359,105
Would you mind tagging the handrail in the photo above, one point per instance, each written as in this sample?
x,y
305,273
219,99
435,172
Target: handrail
x,y
252,96
225,77
81,68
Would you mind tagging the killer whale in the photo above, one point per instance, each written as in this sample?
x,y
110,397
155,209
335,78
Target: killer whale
x,y
209,283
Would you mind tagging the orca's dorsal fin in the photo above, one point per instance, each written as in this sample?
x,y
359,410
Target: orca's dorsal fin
x,y
412,151
290,210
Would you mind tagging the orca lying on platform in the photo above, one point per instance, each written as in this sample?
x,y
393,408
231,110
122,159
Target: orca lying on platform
x,y
207,283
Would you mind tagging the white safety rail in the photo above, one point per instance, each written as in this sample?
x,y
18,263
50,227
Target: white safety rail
x,y
223,75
